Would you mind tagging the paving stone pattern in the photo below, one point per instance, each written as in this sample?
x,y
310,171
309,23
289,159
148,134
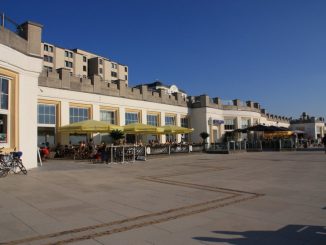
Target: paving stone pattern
x,y
245,198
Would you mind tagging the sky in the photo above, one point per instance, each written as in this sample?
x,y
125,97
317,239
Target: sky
x,y
269,51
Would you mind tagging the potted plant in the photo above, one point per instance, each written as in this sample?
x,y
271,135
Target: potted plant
x,y
204,136
117,135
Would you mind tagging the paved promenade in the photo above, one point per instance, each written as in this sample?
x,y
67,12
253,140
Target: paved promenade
x,y
245,198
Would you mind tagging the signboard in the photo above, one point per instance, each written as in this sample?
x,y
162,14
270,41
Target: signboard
x,y
215,122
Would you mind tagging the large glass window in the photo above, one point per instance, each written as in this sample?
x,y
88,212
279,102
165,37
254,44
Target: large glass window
x,y
152,120
107,116
4,91
131,117
170,120
229,124
3,128
46,114
245,122
78,114
184,122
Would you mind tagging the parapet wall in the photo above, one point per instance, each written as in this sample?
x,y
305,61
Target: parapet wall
x,y
62,79
236,105
12,40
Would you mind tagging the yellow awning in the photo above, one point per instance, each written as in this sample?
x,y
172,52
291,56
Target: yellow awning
x,y
172,129
89,126
139,128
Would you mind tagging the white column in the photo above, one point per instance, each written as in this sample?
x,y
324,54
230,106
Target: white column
x,y
122,112
96,112
162,120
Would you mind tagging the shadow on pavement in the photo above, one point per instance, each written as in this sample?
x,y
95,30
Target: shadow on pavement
x,y
288,235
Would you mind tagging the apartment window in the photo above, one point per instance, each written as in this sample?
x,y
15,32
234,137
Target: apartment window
x,y
152,120
68,64
131,117
48,68
48,58
77,114
126,77
112,65
101,61
68,54
126,69
84,58
100,70
4,92
51,49
170,120
229,124
114,74
46,47
185,122
46,114
84,68
108,116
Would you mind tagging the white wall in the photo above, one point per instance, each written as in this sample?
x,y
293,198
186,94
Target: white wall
x,y
28,69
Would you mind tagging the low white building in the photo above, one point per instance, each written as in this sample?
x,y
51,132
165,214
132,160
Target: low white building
x,y
35,103
313,127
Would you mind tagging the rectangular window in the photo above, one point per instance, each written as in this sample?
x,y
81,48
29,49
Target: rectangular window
x,y
4,91
84,68
101,70
184,122
114,74
126,69
48,58
51,49
68,64
229,124
46,114
107,116
3,128
112,65
84,59
131,117
152,120
126,77
77,114
68,54
245,122
170,120
46,47
100,61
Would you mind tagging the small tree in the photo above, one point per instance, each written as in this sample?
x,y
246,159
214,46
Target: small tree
x,y
204,136
117,135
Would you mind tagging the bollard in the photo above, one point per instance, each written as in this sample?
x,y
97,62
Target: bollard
x,y
123,154
169,150
134,154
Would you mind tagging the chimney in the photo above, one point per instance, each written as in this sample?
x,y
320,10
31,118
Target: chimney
x,y
32,32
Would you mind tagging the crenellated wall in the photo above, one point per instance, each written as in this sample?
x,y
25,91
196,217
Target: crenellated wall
x,y
62,79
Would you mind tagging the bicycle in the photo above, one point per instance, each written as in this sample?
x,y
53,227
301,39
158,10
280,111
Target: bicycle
x,y
11,163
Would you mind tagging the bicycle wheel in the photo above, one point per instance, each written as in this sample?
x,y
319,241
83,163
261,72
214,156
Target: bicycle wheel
x,y
3,172
21,166
14,166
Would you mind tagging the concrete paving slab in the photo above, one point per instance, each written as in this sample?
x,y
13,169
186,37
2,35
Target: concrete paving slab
x,y
247,198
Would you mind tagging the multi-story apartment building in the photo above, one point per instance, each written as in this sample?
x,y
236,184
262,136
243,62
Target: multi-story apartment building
x,y
82,63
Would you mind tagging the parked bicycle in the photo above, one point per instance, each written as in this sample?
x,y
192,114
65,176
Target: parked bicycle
x,y
11,162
